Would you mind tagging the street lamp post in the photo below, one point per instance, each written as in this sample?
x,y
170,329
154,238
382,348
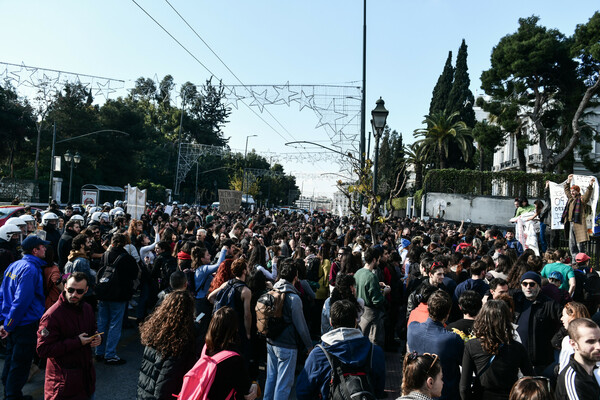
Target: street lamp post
x,y
246,166
74,160
379,115
55,142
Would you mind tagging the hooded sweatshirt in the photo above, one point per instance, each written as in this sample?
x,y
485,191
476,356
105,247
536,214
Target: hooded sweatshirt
x,y
352,348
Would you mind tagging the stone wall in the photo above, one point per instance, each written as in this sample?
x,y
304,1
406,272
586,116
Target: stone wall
x,y
25,191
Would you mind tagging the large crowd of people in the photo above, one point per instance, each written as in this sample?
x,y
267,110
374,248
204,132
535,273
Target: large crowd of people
x,y
268,303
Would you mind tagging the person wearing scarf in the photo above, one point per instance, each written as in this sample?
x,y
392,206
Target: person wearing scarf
x,y
574,216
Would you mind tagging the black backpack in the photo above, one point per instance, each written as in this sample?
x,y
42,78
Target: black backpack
x,y
269,314
591,286
107,285
312,269
347,382
226,297
168,266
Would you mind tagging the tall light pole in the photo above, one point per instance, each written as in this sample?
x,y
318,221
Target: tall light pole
x,y
246,165
379,115
74,160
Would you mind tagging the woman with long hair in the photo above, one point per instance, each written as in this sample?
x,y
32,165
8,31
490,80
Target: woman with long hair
x,y
170,340
493,355
421,377
232,375
571,311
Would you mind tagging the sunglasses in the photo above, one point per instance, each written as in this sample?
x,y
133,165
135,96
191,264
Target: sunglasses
x,y
73,290
530,284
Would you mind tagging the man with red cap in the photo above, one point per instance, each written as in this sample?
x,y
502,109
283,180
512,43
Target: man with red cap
x,y
574,215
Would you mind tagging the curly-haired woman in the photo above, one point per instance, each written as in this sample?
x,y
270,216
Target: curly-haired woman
x,y
170,339
493,355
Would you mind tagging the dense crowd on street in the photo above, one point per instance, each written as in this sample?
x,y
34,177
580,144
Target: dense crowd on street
x,y
263,303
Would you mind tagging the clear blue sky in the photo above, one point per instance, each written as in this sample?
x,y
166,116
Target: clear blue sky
x,y
273,42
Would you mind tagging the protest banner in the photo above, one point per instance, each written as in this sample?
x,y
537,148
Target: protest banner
x,y
558,200
229,200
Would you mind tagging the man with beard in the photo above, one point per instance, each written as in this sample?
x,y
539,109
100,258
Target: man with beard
x,y
538,319
370,290
65,244
577,380
66,336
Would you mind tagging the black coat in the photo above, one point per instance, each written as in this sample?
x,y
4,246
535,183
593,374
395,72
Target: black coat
x,y
544,322
126,272
160,377
64,247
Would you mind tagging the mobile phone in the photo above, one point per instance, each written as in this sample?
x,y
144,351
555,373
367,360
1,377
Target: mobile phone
x,y
97,334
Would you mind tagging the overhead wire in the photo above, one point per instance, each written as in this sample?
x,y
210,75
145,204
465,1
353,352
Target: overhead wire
x,y
225,65
208,69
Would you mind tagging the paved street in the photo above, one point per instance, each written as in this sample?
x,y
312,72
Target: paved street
x,y
119,382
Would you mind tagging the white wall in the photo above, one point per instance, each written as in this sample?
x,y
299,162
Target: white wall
x,y
488,210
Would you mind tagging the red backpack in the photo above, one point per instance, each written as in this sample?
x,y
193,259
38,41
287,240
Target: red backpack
x,y
198,380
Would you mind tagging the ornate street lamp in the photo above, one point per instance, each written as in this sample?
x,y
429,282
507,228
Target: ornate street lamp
x,y
379,115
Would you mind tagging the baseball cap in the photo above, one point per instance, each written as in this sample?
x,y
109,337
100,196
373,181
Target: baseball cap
x,y
581,257
31,242
556,275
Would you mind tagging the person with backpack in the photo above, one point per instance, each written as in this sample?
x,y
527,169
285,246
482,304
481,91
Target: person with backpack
x,y
587,289
236,295
164,264
114,290
220,373
169,337
203,275
345,363
282,351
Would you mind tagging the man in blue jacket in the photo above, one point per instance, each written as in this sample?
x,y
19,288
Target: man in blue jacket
x,y
431,337
348,345
22,305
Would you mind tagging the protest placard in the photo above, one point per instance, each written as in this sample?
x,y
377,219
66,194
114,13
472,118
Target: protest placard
x,y
229,200
558,200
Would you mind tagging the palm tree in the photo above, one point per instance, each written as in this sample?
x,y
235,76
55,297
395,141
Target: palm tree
x,y
417,155
441,131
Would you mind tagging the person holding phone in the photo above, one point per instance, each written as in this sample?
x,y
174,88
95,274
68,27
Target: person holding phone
x,y
66,335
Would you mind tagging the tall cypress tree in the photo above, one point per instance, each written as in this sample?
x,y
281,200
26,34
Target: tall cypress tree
x,y
461,98
441,91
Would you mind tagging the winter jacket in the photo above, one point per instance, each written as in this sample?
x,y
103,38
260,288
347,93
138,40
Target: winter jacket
x,y
575,383
352,348
295,334
53,236
431,337
70,372
126,272
22,293
161,377
544,322
64,247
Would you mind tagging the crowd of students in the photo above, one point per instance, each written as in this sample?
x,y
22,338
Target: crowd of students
x,y
477,315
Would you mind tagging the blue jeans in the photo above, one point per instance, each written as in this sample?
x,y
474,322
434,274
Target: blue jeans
x,y
110,321
543,244
281,365
20,349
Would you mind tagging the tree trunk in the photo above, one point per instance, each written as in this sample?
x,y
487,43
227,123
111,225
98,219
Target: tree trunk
x,y
442,157
520,152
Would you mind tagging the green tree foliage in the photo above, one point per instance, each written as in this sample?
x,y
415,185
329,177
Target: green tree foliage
x,y
441,91
443,130
391,162
145,155
586,50
418,157
532,71
17,126
488,137
461,98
